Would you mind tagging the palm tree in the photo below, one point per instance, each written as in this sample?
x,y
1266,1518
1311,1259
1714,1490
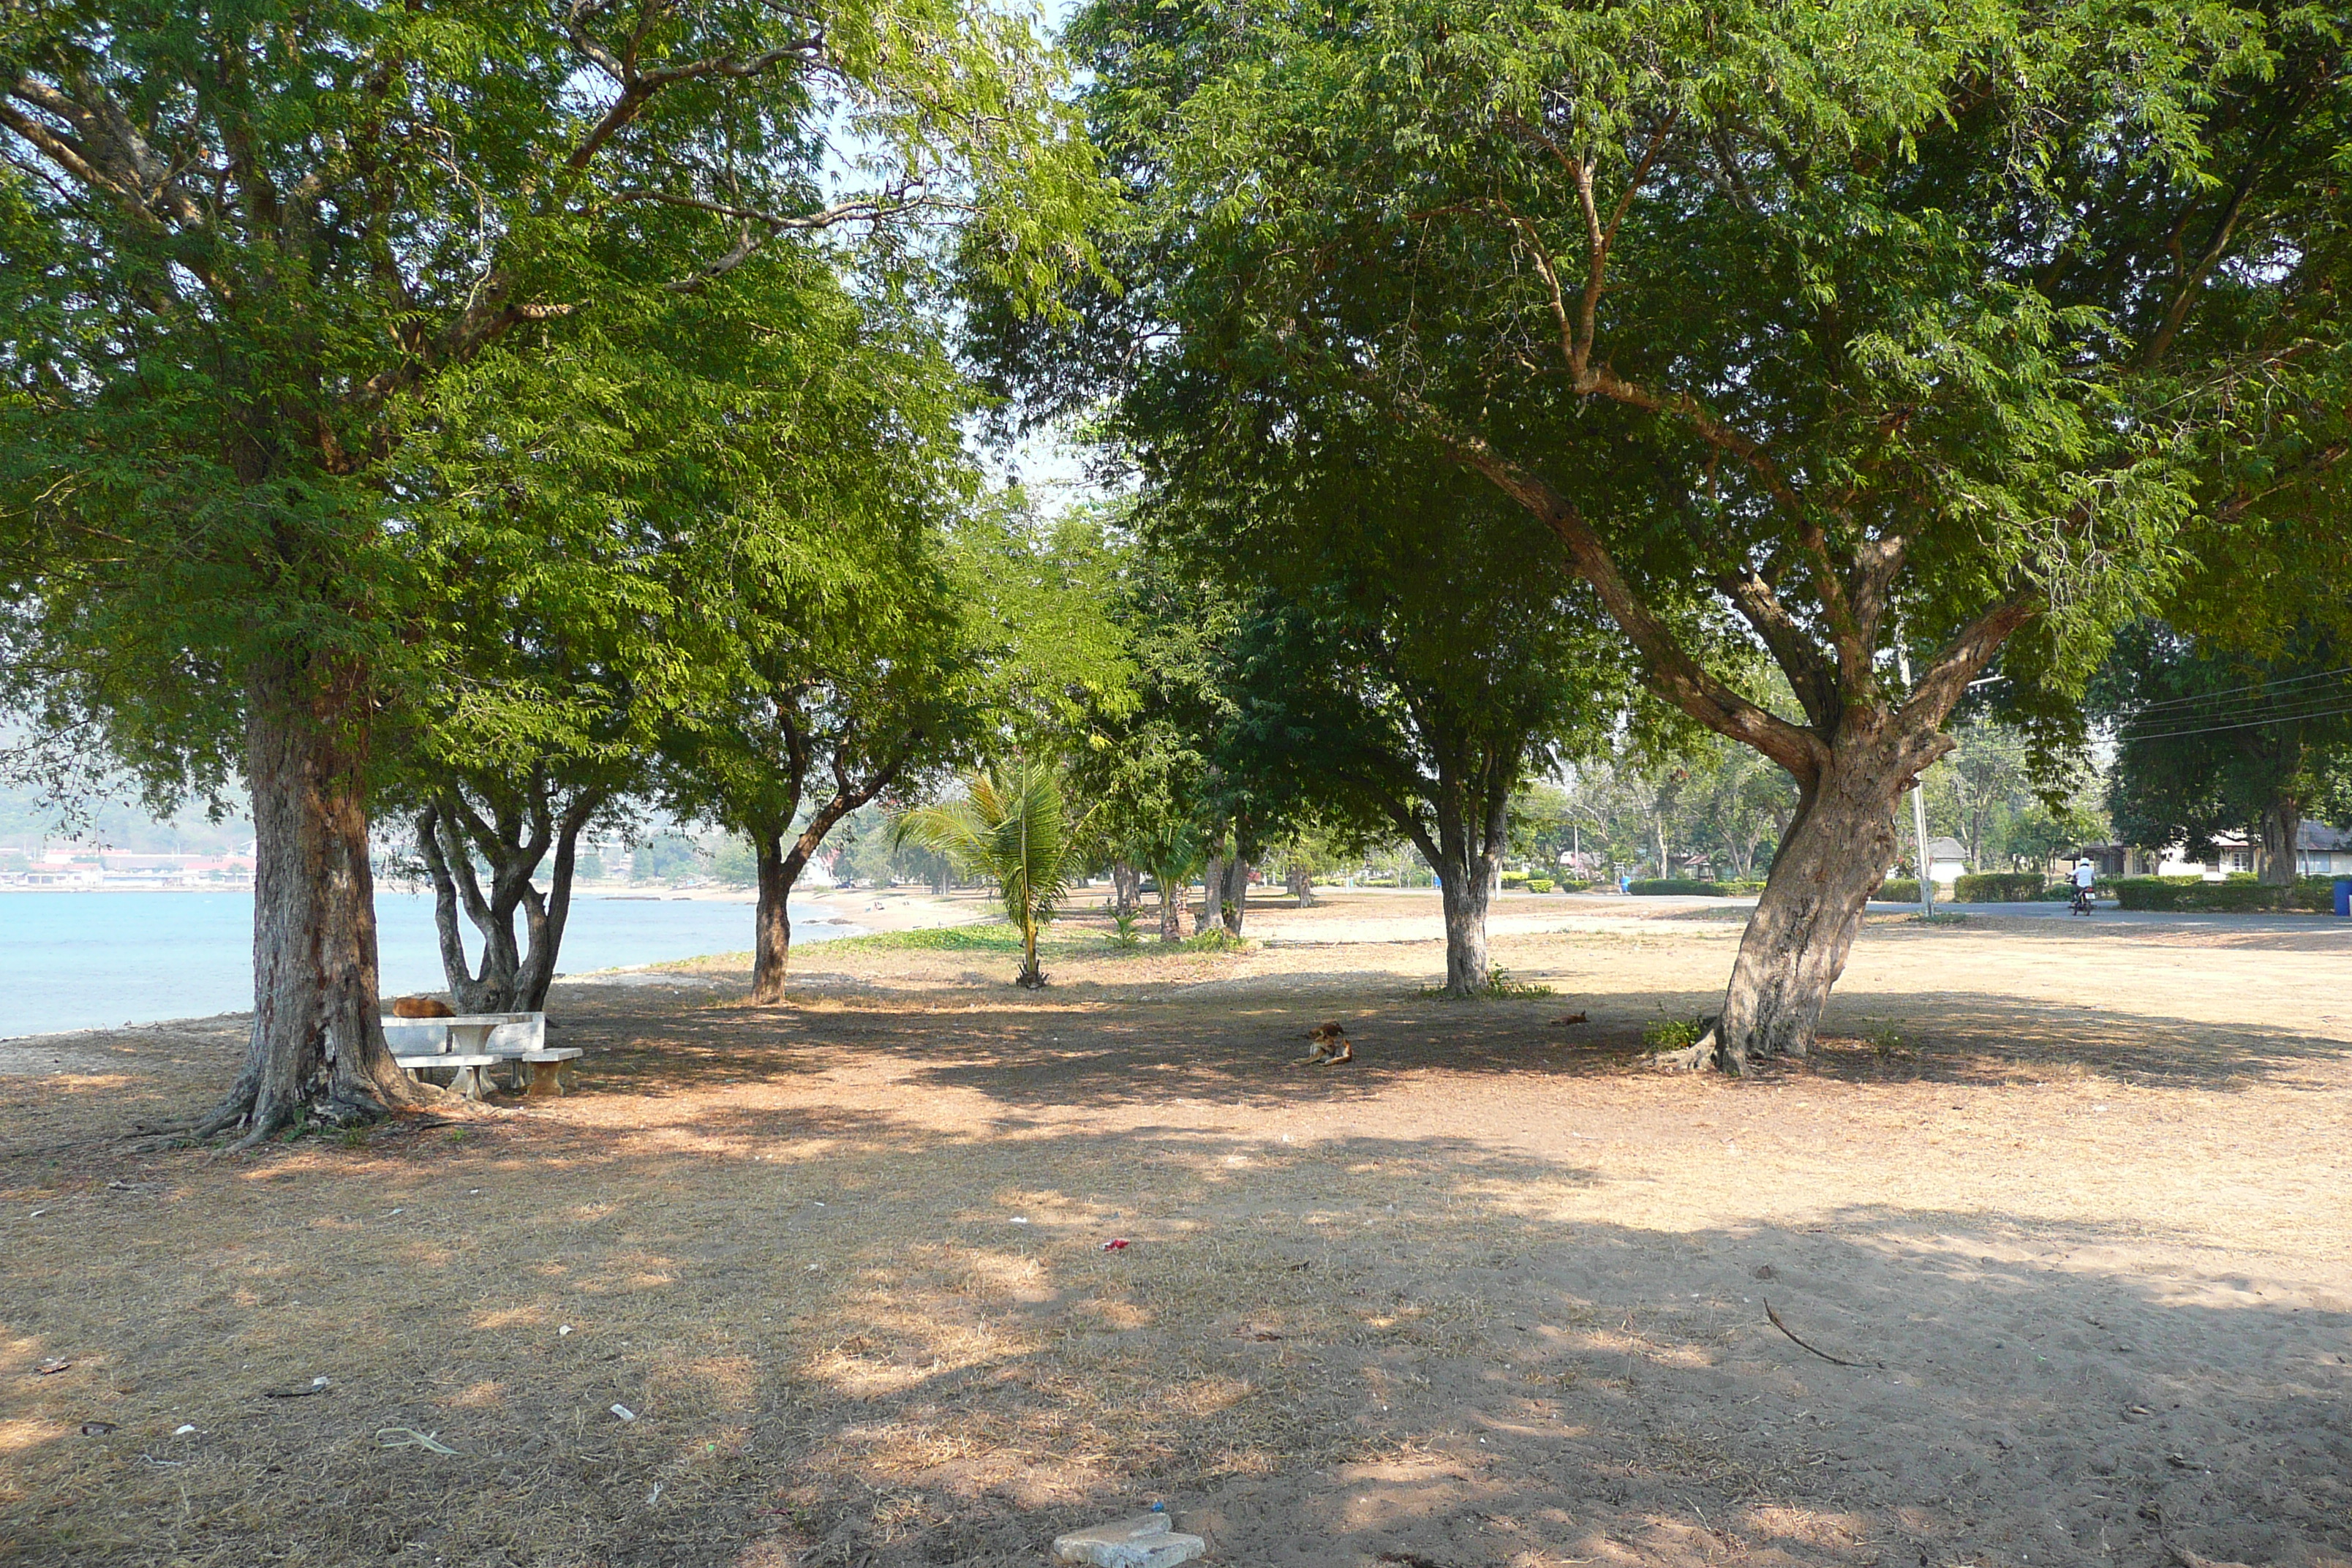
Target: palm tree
x,y
1014,827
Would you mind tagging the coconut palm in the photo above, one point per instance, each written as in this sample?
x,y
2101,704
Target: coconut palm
x,y
1013,826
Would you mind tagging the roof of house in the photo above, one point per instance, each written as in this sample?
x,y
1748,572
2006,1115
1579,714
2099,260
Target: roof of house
x,y
2319,836
1943,848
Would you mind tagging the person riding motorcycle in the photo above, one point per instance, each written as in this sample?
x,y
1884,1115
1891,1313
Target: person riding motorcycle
x,y
2083,877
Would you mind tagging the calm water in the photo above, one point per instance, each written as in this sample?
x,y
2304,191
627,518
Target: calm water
x,y
98,960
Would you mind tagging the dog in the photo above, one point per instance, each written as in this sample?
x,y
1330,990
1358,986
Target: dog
x,y
1332,1047
422,1007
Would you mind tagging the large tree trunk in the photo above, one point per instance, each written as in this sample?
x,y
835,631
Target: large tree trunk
x,y
1171,910
1467,856
772,922
1233,901
1300,881
1212,894
317,1050
1836,850
1464,894
2281,826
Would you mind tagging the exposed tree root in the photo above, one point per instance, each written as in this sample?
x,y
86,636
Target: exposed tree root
x,y
1707,1052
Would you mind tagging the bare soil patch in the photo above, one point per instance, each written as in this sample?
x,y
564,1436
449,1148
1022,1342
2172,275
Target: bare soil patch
x,y
2070,1195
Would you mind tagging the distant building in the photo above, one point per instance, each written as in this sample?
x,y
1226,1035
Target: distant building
x,y
2319,851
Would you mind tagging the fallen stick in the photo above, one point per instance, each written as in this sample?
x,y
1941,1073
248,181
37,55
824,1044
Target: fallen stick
x,y
1802,1344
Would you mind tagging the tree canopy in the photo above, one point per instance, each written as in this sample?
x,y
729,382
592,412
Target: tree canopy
x,y
1830,326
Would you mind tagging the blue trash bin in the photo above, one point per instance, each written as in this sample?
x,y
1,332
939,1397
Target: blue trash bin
x,y
2344,897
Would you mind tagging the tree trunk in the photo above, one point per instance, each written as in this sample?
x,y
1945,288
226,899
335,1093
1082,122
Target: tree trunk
x,y
1836,849
317,1049
1465,896
1171,910
513,976
772,922
1300,881
448,859
1126,888
1212,894
1032,977
547,922
2281,826
1233,901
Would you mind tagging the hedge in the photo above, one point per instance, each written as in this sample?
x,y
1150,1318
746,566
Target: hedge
x,y
1998,887
1898,890
1539,884
1668,887
2313,894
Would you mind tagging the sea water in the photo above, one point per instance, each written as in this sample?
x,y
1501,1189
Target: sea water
x,y
101,960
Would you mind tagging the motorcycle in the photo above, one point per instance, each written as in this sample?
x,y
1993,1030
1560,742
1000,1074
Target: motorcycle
x,y
2080,904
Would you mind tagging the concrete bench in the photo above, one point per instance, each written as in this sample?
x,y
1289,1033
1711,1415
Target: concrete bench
x,y
466,1065
543,1074
503,1034
472,1042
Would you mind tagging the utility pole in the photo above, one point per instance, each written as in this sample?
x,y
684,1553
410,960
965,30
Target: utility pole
x,y
1918,805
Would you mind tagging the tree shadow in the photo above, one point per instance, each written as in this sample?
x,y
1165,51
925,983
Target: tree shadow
x,y
1375,1349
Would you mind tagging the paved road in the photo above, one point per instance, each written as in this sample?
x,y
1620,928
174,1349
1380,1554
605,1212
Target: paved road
x,y
2108,913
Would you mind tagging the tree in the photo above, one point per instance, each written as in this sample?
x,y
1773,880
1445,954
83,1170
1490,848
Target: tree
x,y
1829,325
1379,684
246,240
838,664
2211,741
1013,826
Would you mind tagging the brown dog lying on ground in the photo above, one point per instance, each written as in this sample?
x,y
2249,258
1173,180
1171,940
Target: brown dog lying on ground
x,y
1332,1047
422,1008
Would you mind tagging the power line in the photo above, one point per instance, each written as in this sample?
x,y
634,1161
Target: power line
x,y
2304,706
2246,724
2234,691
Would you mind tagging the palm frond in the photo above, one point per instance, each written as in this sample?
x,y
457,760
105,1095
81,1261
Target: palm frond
x,y
1013,825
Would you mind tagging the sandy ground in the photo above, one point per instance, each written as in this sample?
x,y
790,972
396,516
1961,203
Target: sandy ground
x,y
2068,1198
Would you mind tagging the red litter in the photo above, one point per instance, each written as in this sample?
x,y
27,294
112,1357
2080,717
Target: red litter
x,y
1116,1243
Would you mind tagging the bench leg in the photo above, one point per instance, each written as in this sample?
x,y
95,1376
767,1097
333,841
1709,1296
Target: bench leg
x,y
546,1079
468,1082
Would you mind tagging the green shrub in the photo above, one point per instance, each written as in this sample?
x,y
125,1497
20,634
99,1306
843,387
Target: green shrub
x,y
1998,887
1664,1034
2315,894
1573,885
1898,890
1752,888
1216,938
1515,878
1539,884
1667,887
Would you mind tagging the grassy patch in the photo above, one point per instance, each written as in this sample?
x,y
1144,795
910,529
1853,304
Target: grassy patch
x,y
988,936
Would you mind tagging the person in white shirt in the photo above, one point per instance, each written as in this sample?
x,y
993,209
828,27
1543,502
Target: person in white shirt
x,y
2083,877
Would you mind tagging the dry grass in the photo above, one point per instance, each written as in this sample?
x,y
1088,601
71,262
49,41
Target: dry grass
x,y
1491,1296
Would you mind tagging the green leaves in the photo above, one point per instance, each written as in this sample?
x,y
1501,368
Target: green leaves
x,y
1013,826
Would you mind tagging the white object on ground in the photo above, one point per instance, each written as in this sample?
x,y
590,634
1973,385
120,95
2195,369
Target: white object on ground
x,y
625,1413
1144,1541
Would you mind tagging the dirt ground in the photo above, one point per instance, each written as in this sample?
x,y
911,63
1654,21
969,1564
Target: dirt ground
x,y
2066,1200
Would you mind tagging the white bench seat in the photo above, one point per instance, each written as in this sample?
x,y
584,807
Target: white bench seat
x,y
467,1066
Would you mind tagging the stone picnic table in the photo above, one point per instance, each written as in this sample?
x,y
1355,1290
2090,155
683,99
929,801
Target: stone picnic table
x,y
472,1044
